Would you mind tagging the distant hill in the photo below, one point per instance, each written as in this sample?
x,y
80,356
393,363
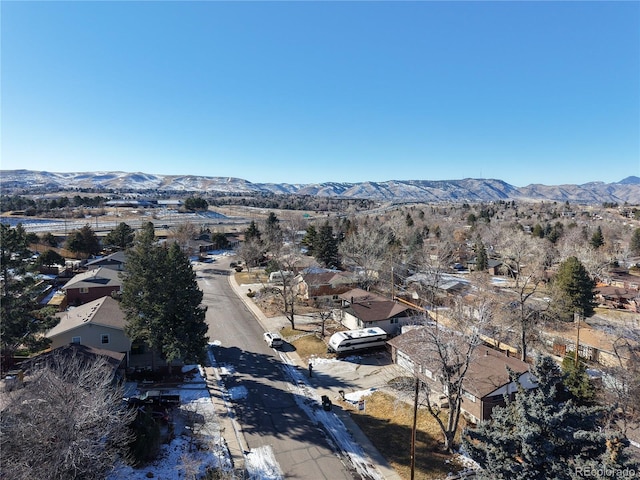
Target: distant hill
x,y
465,190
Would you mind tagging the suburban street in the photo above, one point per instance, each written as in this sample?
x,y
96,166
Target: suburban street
x,y
268,412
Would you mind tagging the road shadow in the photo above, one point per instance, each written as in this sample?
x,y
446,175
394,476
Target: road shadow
x,y
276,399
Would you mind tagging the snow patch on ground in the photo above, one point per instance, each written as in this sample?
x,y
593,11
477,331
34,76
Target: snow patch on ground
x,y
261,464
238,393
354,397
226,369
321,361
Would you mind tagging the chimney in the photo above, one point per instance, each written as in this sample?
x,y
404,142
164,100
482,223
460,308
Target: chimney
x,y
507,352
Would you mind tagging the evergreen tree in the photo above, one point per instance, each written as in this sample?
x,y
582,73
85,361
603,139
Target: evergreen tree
x,y
597,240
409,220
482,261
576,381
309,239
49,239
538,437
273,232
252,233
122,236
537,231
573,290
195,203
171,320
183,322
19,325
634,244
83,241
142,289
51,257
325,247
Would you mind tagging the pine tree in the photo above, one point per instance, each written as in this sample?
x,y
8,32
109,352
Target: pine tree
x,y
538,437
122,236
273,232
51,257
252,233
597,240
482,261
573,290
576,381
19,326
142,289
325,247
183,323
634,244
162,301
309,239
83,241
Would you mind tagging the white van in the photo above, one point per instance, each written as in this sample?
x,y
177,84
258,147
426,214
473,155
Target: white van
x,y
356,340
279,276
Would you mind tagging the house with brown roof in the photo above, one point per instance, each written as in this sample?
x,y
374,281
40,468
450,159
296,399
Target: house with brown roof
x,y
618,298
486,382
98,324
594,344
361,309
91,285
323,286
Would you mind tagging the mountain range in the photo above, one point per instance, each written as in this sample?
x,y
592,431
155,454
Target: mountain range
x,y
465,190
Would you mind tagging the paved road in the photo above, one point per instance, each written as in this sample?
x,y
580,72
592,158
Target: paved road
x,y
268,413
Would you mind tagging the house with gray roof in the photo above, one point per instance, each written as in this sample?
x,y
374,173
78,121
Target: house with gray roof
x,y
92,285
115,261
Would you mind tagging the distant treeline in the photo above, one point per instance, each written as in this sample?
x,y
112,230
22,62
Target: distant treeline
x,y
29,206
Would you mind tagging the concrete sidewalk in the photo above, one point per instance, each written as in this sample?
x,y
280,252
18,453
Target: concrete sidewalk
x,y
275,324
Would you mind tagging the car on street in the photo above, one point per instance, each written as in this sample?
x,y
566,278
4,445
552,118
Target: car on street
x,y
273,339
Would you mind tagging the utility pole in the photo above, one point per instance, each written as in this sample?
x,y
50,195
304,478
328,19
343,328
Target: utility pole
x,y
393,295
414,428
577,318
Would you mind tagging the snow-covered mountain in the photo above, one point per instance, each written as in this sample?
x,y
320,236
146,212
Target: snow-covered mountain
x,y
465,190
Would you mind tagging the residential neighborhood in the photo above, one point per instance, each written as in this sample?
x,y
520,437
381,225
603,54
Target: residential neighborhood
x,y
442,310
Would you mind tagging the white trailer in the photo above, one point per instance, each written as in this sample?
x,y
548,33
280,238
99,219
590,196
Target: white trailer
x,y
356,340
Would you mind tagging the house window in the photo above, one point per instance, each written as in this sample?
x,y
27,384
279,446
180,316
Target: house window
x,y
75,340
393,320
468,395
104,338
84,290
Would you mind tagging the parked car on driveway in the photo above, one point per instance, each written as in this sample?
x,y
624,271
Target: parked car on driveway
x,y
273,339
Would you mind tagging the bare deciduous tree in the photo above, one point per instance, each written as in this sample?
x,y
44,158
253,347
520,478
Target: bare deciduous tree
x,y
524,259
288,262
443,358
251,251
183,234
367,249
67,422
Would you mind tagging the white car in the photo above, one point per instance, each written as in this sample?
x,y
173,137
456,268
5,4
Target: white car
x,y
273,339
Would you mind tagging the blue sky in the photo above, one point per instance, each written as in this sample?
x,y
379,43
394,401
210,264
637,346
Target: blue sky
x,y
306,92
